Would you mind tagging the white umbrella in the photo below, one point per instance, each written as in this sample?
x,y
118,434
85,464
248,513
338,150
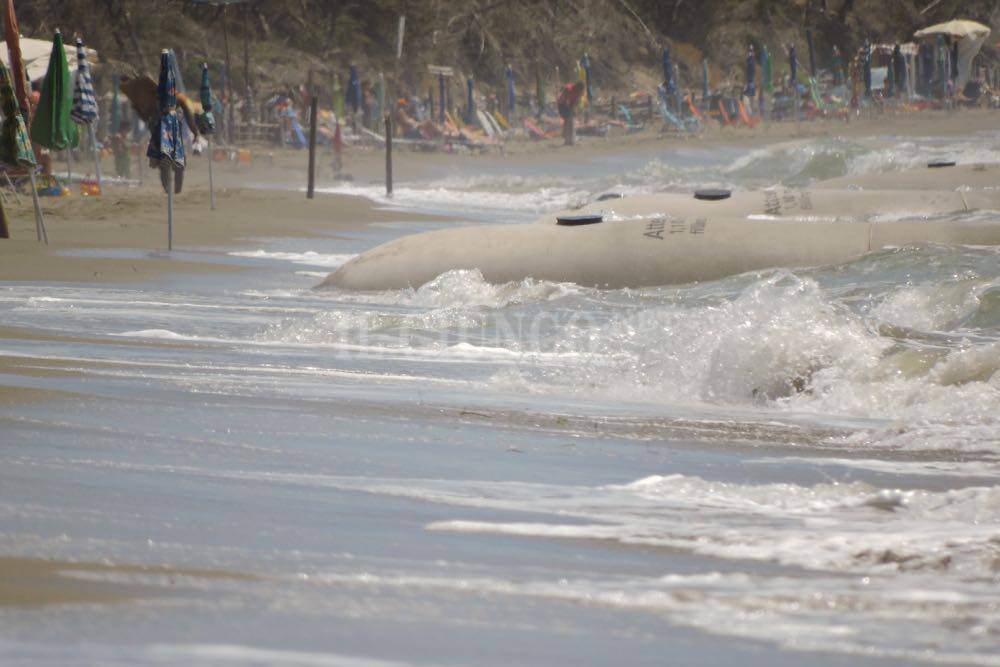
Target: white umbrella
x,y
970,36
36,53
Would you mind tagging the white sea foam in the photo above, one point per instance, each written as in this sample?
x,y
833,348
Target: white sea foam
x,y
308,258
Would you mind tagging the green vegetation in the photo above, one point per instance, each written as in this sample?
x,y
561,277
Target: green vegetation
x,y
478,37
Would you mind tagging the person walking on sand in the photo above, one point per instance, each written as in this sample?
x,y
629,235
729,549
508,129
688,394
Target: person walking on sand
x,y
569,97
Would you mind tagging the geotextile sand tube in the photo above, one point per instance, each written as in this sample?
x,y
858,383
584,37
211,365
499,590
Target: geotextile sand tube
x,y
654,250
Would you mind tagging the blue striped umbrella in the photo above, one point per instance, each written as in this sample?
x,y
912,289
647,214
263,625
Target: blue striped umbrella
x,y
166,145
84,110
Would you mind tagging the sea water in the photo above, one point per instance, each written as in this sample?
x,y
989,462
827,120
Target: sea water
x,y
791,466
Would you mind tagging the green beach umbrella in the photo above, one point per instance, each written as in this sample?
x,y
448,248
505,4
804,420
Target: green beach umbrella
x,y
15,146
52,126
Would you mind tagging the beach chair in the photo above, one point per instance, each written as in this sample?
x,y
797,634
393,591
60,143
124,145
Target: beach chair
x,y
745,117
536,132
630,125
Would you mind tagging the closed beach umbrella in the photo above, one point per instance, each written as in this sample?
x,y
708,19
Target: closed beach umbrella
x,y
704,79
441,99
354,90
15,147
115,119
868,68
12,35
470,109
207,127
52,126
166,146
668,71
511,94
812,53
899,68
767,79
585,63
751,90
379,97
207,121
84,109
539,90
793,65
338,98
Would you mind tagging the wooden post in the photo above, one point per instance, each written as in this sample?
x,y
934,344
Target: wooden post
x,y
313,113
39,222
388,155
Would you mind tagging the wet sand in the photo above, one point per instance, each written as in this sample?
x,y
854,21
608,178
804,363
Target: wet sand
x,y
32,582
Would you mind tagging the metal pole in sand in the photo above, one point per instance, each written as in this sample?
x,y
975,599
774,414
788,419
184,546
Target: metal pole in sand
x,y
39,222
69,163
97,155
313,113
170,206
388,155
211,182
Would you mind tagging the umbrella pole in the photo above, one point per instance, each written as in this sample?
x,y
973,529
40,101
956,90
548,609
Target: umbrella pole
x,y
211,184
170,206
69,164
97,155
39,222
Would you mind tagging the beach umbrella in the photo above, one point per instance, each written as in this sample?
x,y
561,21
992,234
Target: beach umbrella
x,y
338,98
15,146
12,36
379,97
470,110
354,90
704,79
751,89
838,66
812,53
793,65
207,127
511,94
539,90
115,119
441,98
767,78
899,69
585,63
84,109
668,71
867,56
166,145
52,127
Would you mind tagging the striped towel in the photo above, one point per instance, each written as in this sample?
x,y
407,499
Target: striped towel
x,y
84,109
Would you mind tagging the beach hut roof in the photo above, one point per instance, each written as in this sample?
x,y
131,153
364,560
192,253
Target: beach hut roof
x,y
36,53
958,28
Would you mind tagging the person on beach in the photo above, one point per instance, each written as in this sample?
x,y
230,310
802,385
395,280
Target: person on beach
x,y
119,148
569,97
